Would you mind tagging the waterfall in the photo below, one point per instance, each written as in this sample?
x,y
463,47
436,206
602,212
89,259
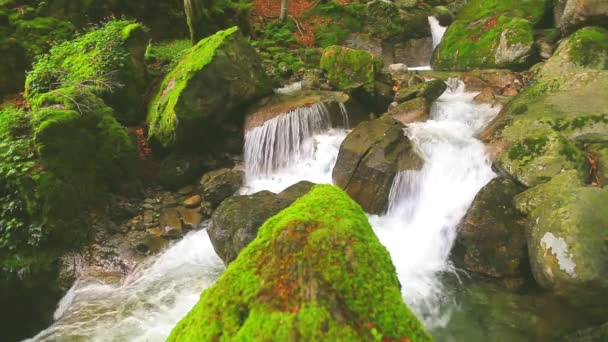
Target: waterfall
x,y
426,206
437,30
290,148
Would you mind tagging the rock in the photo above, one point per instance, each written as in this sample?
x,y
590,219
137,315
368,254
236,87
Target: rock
x,y
271,107
187,190
150,245
12,68
487,35
541,156
567,239
348,69
205,93
596,148
491,237
122,44
179,169
595,334
235,223
170,223
193,201
443,15
216,186
148,217
486,96
416,110
311,268
398,67
587,48
191,218
311,80
369,159
430,90
573,14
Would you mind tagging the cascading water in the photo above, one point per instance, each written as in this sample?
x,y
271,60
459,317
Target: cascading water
x,y
146,305
291,148
427,205
437,31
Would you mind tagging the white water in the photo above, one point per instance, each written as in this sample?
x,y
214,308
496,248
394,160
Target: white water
x,y
291,148
418,230
437,31
425,206
147,305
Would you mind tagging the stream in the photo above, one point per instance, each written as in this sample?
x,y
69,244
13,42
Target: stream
x,y
419,230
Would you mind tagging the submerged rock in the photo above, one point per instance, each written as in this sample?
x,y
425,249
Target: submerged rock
x,y
369,159
315,272
236,221
567,239
491,237
199,104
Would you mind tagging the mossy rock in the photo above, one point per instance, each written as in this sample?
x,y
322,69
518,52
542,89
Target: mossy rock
x,y
430,91
586,48
370,158
348,69
316,271
108,61
540,156
205,92
571,15
567,239
491,34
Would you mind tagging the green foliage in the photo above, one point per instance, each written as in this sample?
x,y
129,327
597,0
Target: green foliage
x,y
276,44
163,56
317,271
17,172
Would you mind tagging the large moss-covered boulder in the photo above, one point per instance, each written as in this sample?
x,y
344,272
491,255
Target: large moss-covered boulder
x,y
587,48
348,69
369,159
573,14
206,92
236,221
315,272
567,239
491,237
108,62
491,34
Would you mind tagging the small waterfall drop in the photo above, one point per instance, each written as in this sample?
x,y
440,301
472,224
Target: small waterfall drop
x,y
437,31
298,145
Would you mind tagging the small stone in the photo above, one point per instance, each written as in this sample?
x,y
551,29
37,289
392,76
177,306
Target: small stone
x,y
191,218
168,200
485,96
148,216
187,190
147,206
170,223
192,202
149,201
398,67
510,92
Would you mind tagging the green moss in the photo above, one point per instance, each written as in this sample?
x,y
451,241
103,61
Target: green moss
x,y
341,21
317,271
349,68
472,41
100,61
589,47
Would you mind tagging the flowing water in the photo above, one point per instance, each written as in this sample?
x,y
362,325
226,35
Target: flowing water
x,y
418,230
437,31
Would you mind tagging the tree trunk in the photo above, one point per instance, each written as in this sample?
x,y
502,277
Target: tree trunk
x,y
283,10
195,17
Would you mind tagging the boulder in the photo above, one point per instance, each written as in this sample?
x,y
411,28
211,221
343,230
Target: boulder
x,y
443,15
586,48
170,223
74,67
315,272
200,102
430,91
491,34
492,237
567,239
237,220
216,186
486,96
573,14
369,159
418,109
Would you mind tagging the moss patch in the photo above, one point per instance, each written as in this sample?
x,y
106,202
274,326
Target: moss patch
x,y
589,47
316,271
